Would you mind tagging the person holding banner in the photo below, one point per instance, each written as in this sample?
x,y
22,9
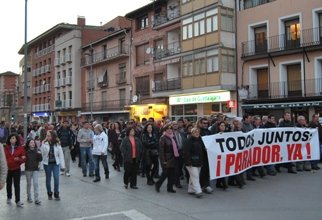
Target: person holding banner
x,y
316,124
193,159
202,125
286,122
303,165
221,182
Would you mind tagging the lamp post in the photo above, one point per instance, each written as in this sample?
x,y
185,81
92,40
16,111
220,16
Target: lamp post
x,y
25,69
91,83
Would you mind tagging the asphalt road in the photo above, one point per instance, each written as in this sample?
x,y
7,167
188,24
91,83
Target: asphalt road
x,y
285,196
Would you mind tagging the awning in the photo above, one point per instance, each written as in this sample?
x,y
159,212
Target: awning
x,y
282,105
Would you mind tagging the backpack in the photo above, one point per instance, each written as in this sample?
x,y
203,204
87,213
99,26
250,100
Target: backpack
x,y
2,132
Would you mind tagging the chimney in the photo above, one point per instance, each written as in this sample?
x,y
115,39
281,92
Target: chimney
x,y
81,21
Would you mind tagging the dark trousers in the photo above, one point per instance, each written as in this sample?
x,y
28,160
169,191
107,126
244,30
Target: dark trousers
x,y
15,176
130,172
117,157
178,170
167,173
204,173
151,169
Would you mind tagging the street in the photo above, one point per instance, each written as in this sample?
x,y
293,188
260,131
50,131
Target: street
x,y
285,196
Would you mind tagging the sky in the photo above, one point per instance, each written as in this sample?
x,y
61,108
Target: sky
x,y
45,14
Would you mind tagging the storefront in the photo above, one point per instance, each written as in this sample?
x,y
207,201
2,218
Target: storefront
x,y
70,116
104,116
156,111
306,109
193,106
42,117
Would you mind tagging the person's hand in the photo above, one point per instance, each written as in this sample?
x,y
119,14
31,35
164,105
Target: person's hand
x,y
16,158
1,185
72,147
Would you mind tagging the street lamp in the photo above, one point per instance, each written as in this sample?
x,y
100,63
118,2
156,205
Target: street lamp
x,y
25,69
91,82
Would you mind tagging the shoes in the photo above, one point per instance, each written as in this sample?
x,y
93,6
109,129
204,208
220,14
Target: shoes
x,y
84,175
150,182
56,195
8,201
67,174
292,171
299,170
316,168
208,189
50,196
126,186
19,204
107,176
250,178
157,187
29,200
179,186
307,169
38,202
134,187
271,173
171,191
198,195
91,175
97,180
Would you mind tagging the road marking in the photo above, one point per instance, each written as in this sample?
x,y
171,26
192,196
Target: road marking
x,y
132,214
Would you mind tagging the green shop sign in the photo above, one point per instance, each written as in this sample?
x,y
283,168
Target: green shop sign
x,y
199,98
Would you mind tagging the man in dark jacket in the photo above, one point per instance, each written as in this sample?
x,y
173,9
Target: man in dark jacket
x,y
66,137
287,122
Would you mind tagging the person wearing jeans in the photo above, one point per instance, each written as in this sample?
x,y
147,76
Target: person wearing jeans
x,y
66,137
100,142
53,160
85,138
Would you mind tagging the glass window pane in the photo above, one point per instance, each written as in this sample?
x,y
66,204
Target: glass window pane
x,y
215,23
190,31
190,109
196,27
211,12
202,27
209,25
187,21
184,32
199,16
177,110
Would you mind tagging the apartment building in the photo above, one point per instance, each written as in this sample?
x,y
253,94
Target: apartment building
x,y
106,73
45,68
8,96
280,59
185,58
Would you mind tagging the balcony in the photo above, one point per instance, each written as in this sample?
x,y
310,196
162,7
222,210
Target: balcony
x,y
253,3
68,58
109,54
113,105
309,38
290,89
68,80
121,78
167,85
45,51
41,107
57,83
166,17
168,50
62,60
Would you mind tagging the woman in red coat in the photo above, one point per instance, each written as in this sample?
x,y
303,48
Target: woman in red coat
x,y
16,156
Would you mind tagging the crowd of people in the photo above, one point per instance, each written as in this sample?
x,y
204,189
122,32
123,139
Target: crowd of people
x,y
157,151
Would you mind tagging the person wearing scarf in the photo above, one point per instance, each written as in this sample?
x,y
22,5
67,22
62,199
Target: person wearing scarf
x,y
168,155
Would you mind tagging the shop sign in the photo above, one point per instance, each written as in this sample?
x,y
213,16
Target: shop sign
x,y
281,105
200,98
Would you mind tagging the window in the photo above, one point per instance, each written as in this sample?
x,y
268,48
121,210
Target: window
x,y
228,63
143,22
143,86
187,28
262,83
199,24
141,57
122,97
294,85
212,61
211,20
200,63
187,65
104,51
293,33
227,20
260,39
185,1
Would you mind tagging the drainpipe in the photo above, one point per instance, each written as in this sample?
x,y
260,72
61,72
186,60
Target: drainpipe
x,y
236,58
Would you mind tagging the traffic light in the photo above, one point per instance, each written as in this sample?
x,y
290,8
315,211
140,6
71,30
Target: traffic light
x,y
12,117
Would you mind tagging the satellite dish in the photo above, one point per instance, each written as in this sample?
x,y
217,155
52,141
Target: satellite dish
x,y
148,50
135,98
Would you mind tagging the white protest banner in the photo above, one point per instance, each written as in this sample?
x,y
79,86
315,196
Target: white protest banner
x,y
231,153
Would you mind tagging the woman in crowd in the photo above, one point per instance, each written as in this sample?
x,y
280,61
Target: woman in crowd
x,y
193,159
151,152
34,157
15,155
169,153
53,160
221,182
114,134
131,148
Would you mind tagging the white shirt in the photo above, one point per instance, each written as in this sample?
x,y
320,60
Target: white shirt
x,y
100,143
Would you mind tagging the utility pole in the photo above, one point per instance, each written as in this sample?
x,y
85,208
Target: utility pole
x,y
25,69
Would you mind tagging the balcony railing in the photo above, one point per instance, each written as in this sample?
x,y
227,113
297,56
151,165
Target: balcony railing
x,y
286,89
167,85
112,105
41,107
168,50
45,51
166,17
108,54
283,42
253,3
